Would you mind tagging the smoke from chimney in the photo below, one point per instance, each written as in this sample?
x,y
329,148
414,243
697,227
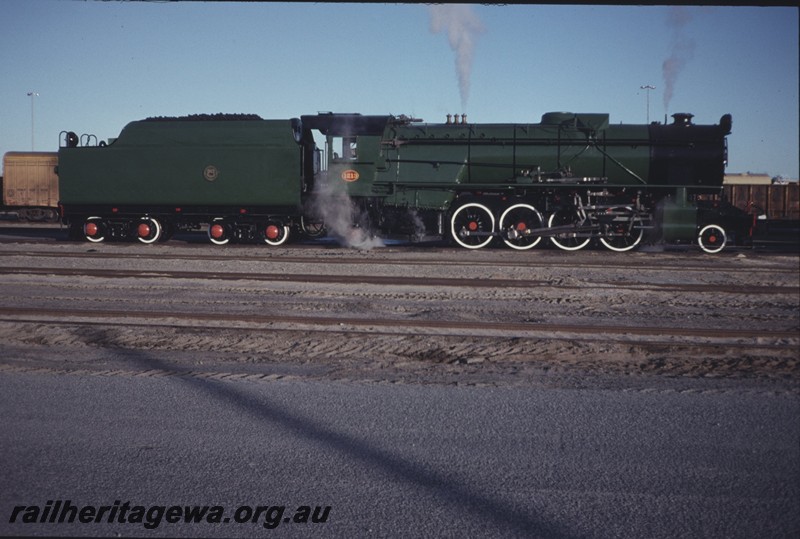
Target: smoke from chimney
x,y
463,28
682,50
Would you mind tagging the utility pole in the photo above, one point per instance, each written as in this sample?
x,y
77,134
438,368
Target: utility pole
x,y
647,88
32,95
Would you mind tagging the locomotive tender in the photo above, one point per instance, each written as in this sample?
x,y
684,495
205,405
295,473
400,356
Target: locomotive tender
x,y
572,178
242,176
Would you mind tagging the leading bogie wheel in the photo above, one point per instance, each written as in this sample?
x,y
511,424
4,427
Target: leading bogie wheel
x,y
518,224
712,238
472,226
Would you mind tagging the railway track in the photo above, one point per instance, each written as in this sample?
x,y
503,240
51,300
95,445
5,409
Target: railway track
x,y
337,257
351,279
251,321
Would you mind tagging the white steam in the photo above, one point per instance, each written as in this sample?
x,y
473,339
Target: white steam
x,y
341,217
417,223
682,50
463,28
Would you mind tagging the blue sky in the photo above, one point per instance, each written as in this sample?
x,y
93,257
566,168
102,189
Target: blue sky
x,y
98,65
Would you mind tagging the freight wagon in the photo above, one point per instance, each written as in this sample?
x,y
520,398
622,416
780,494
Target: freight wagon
x,y
30,186
773,202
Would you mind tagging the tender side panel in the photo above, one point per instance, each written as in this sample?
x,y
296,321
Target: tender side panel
x,y
213,163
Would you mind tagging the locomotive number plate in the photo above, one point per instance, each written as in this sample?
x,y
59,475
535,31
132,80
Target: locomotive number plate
x,y
350,175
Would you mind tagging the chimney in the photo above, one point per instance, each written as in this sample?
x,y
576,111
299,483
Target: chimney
x,y
449,116
463,118
682,118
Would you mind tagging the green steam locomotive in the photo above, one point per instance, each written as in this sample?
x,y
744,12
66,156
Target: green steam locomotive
x,y
572,179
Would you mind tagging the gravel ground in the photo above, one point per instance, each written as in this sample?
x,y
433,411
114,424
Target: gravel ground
x,y
665,291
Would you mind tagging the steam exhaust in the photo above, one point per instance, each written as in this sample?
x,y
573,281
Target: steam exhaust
x,y
682,51
463,27
345,221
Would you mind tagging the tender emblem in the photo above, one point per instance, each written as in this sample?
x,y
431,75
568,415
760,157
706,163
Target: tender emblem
x,y
211,173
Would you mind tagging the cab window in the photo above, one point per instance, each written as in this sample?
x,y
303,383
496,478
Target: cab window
x,y
344,148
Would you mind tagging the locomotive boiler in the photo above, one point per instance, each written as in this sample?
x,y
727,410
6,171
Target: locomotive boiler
x,y
572,178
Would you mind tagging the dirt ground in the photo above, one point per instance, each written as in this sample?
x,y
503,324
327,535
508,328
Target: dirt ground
x,y
538,318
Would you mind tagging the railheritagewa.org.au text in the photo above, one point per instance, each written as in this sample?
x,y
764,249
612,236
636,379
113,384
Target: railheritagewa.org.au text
x,y
153,516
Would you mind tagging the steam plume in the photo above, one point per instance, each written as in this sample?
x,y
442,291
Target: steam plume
x,y
341,215
463,28
682,50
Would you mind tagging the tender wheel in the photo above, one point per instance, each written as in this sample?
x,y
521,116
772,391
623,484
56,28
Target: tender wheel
x,y
517,225
712,238
94,229
274,233
219,232
566,217
472,226
148,230
626,231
